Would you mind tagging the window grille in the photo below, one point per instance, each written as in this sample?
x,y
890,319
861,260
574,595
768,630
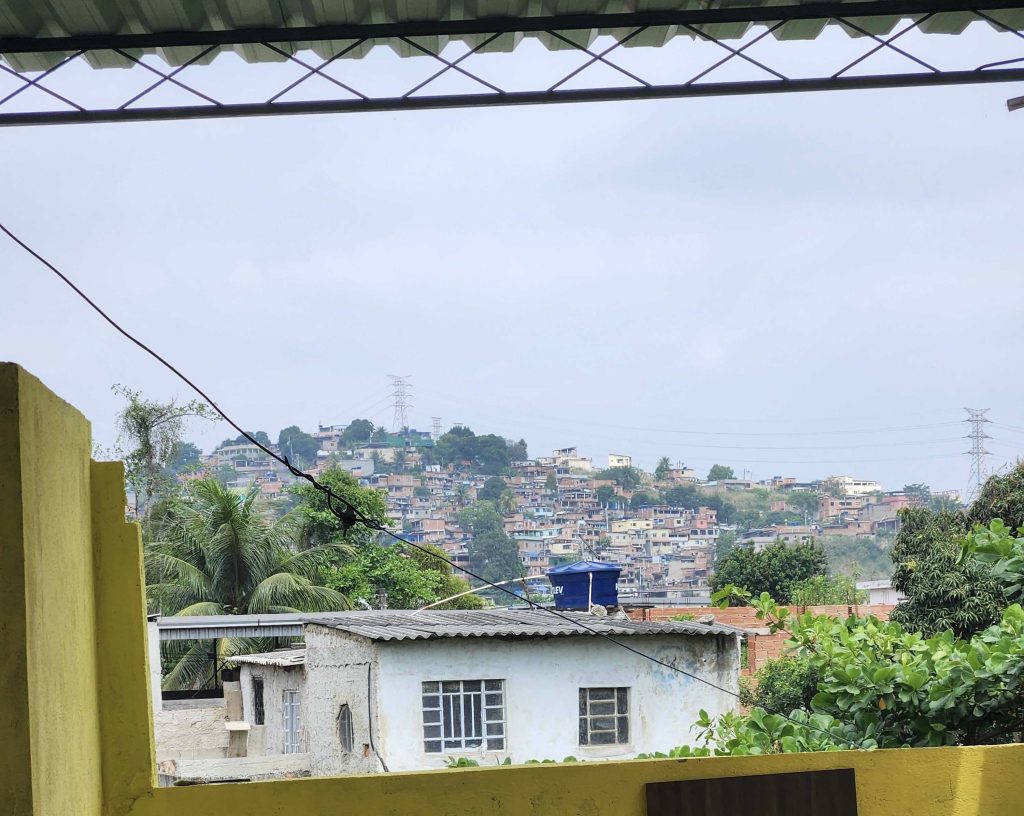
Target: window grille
x,y
604,716
461,715
345,733
292,722
258,711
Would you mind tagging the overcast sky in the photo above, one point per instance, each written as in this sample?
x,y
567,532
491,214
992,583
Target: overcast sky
x,y
771,282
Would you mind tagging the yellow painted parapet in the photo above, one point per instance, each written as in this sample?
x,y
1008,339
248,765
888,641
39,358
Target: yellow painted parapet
x,y
75,719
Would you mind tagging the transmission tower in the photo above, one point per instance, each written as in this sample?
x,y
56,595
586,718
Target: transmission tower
x,y
436,434
400,402
977,420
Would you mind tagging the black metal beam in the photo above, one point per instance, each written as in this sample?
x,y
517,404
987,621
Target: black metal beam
x,y
492,25
515,98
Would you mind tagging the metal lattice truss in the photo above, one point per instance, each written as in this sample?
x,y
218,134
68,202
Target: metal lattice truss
x,y
598,44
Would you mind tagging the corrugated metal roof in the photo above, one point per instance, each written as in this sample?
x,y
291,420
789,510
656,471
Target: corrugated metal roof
x,y
58,18
283,658
433,624
209,627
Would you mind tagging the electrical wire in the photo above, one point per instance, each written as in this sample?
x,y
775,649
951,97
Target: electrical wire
x,y
349,515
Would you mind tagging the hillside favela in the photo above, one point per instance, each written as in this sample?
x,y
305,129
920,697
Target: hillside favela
x,y
290,639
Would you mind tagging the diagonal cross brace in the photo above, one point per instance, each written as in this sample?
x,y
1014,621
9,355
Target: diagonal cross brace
x,y
599,58
35,83
886,43
318,70
453,65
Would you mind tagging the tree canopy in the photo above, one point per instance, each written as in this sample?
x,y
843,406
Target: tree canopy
x,y
943,588
627,477
299,446
492,553
775,570
487,454
221,552
148,435
662,468
719,472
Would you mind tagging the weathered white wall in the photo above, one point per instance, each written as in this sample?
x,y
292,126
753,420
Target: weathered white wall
x,y
542,681
252,768
337,670
190,729
276,680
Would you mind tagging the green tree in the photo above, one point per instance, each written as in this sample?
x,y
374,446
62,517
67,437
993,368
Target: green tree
x,y
433,559
494,556
222,553
823,590
259,436
775,570
357,432
719,472
492,489
606,495
918,491
507,504
803,502
1001,497
684,496
517,452
551,483
642,498
662,468
723,546
627,477
184,458
943,588
297,445
378,569
492,553
148,433
781,685
318,526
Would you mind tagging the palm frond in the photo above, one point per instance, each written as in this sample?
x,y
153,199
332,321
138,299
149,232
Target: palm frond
x,y
285,589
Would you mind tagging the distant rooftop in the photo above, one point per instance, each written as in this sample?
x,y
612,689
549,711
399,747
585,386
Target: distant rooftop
x,y
400,625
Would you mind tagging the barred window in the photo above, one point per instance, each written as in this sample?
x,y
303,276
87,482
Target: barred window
x,y
345,730
604,716
258,712
460,715
292,710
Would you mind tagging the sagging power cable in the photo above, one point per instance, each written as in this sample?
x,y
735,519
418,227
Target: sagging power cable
x,y
349,515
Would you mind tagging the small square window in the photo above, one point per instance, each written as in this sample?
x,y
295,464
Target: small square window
x,y
465,715
604,716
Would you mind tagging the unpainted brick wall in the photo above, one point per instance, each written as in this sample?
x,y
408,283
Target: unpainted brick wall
x,y
761,647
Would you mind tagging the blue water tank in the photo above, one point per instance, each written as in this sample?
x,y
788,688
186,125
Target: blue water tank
x,y
580,584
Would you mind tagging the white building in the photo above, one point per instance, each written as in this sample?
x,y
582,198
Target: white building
x,y
617,460
406,691
855,487
881,592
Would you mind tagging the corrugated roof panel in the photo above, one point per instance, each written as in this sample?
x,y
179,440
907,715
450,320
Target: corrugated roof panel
x,y
60,18
433,624
283,657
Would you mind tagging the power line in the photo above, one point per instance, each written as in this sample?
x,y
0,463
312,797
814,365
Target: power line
x,y
350,514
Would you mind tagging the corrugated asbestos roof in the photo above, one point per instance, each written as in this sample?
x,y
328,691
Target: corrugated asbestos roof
x,y
209,627
434,624
283,658
60,18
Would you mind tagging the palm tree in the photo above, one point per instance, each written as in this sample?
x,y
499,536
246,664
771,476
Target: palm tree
x,y
221,553
507,503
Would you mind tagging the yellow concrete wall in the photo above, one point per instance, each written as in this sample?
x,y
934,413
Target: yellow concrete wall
x,y
47,569
75,724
